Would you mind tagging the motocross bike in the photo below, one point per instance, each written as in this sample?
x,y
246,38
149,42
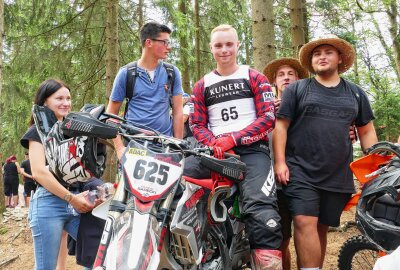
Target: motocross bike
x,y
378,174
158,219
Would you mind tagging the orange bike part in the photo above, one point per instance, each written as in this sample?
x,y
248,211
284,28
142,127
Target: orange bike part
x,y
352,202
368,164
381,253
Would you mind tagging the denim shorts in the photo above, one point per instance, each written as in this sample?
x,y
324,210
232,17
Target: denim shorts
x,y
48,217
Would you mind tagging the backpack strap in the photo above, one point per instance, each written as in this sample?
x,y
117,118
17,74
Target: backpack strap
x,y
356,93
300,90
354,90
131,75
302,86
171,79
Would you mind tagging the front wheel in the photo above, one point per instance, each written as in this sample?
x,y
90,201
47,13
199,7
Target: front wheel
x,y
216,252
358,253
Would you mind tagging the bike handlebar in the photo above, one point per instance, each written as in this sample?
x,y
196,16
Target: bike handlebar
x,y
106,125
384,147
137,129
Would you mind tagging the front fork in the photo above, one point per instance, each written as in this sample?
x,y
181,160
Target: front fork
x,y
117,206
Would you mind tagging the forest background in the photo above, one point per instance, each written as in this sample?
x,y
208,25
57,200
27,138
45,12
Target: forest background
x,y
85,42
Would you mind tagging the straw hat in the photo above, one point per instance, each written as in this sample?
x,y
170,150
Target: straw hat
x,y
272,67
345,48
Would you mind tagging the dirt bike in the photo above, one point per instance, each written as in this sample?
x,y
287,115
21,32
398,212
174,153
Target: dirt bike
x,y
158,219
379,176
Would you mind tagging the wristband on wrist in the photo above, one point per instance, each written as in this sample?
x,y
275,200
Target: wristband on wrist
x,y
68,197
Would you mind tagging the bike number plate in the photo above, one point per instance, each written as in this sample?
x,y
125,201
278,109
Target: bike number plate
x,y
148,177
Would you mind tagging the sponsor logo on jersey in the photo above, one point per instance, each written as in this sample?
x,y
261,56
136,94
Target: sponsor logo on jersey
x,y
268,96
249,140
264,85
225,88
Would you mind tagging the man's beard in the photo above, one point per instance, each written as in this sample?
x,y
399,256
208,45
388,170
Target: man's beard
x,y
327,72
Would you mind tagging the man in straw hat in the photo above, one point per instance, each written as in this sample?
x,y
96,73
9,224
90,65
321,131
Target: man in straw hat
x,y
282,72
312,147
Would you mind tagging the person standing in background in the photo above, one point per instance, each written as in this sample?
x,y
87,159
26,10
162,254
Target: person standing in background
x,y
29,183
282,72
11,181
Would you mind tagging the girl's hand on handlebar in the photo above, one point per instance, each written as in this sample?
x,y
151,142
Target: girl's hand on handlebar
x,y
80,203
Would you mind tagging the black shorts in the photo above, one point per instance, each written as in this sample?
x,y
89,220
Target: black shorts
x,y
28,188
11,186
308,200
286,216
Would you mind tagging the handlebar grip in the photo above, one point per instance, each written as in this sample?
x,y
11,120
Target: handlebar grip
x,y
113,116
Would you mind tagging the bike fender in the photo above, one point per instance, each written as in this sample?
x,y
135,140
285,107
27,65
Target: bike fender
x,y
143,247
101,210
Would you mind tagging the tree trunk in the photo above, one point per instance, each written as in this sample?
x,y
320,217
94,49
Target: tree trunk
x,y
247,46
112,65
385,46
264,49
183,51
2,206
297,25
305,22
140,18
355,65
197,38
393,14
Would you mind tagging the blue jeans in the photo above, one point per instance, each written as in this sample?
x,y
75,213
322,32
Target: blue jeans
x,y
48,217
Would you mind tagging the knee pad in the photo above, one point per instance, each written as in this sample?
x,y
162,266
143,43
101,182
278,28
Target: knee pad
x,y
264,230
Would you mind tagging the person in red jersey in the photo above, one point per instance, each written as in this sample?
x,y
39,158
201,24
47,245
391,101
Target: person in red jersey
x,y
234,110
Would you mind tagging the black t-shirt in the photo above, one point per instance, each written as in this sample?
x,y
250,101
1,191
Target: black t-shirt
x,y
318,148
26,165
10,170
31,135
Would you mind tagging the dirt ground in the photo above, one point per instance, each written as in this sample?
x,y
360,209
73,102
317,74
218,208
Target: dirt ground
x,y
16,245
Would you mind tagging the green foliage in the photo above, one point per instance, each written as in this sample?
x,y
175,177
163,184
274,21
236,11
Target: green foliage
x,y
60,39
66,40
376,68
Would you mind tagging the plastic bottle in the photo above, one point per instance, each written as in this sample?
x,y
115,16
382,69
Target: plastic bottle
x,y
102,192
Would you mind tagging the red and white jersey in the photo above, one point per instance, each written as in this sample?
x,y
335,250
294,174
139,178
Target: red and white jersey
x,y
240,105
229,101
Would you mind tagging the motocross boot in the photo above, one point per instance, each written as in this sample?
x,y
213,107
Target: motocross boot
x,y
266,259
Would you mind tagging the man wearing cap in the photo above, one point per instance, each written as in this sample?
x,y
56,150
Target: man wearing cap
x,y
282,72
312,147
